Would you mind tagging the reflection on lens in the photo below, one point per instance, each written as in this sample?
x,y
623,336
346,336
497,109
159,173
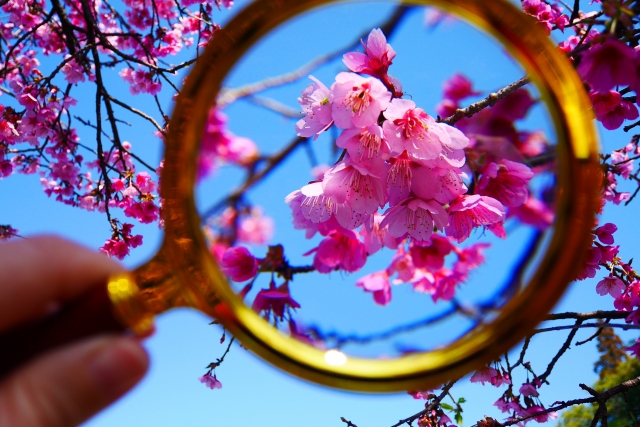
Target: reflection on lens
x,y
378,201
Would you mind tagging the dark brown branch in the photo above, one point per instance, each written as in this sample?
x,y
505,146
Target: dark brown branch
x,y
69,38
433,405
347,422
604,396
489,101
275,106
592,337
588,316
138,112
586,325
575,12
525,347
561,351
631,126
219,361
254,178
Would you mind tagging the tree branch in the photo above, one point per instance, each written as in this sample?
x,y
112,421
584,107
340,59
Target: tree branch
x,y
489,101
230,95
604,396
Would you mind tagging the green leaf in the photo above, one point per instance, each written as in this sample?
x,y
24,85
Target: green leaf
x,y
459,418
462,400
446,406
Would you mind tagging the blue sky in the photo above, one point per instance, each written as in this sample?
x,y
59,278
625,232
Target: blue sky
x,y
254,392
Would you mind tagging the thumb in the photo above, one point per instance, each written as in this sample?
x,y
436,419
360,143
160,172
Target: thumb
x,y
69,385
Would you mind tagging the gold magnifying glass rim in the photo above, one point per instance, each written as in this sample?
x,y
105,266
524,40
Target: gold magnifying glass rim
x,y
578,197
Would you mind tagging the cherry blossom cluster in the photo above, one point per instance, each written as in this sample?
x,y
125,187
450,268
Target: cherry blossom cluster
x,y
550,16
7,232
218,145
236,226
521,403
402,179
39,117
609,64
275,302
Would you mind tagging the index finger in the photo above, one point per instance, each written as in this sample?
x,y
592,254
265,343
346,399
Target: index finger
x,y
40,272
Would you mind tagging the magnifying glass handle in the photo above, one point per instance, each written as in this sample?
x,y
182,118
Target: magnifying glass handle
x,y
88,315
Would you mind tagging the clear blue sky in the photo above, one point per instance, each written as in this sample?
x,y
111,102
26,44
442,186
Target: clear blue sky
x,y
253,392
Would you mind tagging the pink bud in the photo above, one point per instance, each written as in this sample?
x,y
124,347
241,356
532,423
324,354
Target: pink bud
x,y
239,264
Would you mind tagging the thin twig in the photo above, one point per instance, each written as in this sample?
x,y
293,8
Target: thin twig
x,y
254,178
561,351
489,101
228,96
434,404
604,396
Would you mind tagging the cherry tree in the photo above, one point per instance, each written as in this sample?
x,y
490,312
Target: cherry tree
x,y
413,184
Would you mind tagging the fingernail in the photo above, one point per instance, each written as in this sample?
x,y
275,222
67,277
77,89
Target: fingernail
x,y
120,365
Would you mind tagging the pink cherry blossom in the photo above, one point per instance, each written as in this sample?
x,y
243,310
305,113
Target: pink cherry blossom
x,y
74,73
542,418
238,263
366,146
443,185
399,179
621,164
210,381
274,300
605,233
528,389
145,182
416,218
548,15
483,375
320,208
424,394
357,101
410,128
534,212
611,109
610,285
376,237
458,87
141,81
378,284
119,245
431,254
315,104
313,203
376,59
609,253
607,65
470,257
635,348
445,282
340,250
348,182
255,228
506,182
469,212
300,220
219,144
591,264
402,264
146,212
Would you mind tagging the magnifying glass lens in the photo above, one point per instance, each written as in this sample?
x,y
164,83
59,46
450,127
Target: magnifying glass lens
x,y
374,187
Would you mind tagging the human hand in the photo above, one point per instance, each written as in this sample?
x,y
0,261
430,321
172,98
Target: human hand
x,y
67,385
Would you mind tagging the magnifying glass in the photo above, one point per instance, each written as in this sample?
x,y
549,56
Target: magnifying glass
x,y
184,273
